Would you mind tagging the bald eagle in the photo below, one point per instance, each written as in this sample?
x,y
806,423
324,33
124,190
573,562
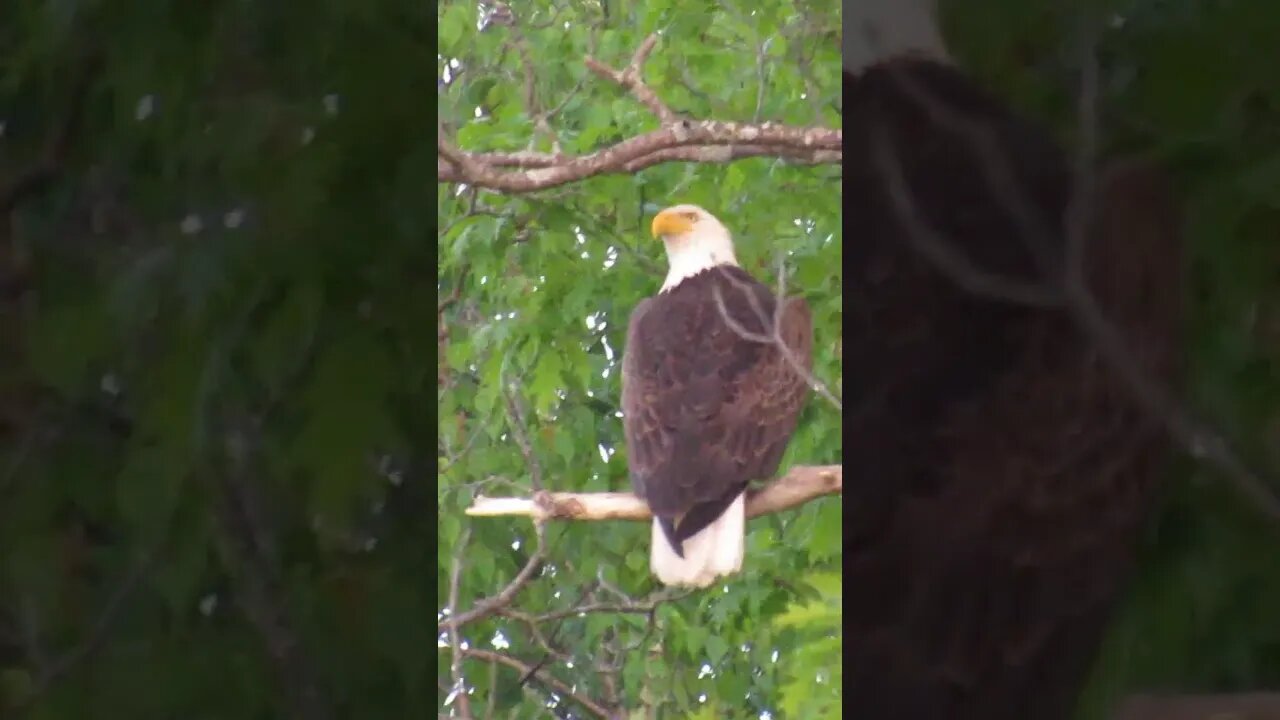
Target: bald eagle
x,y
711,392
1003,468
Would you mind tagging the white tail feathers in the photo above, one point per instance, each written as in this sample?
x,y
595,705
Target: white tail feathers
x,y
716,550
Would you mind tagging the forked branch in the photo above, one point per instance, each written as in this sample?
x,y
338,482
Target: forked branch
x,y
676,140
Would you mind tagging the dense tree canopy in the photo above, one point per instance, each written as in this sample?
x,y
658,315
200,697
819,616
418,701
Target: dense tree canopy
x,y
1186,84
215,390
542,285
1030,54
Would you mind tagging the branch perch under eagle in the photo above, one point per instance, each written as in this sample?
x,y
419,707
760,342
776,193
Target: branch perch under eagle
x,y
1006,461
800,485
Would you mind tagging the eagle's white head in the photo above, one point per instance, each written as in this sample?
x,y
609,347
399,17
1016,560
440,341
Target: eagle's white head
x,y
695,241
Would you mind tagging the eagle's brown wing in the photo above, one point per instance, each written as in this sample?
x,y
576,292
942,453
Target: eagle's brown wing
x,y
705,410
1002,468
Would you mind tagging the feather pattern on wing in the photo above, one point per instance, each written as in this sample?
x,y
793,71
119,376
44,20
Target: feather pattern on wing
x,y
705,409
1003,469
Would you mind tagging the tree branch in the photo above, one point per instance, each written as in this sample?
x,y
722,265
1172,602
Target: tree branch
x,y
97,635
1063,285
629,78
459,689
250,558
774,324
547,679
678,140
491,605
799,486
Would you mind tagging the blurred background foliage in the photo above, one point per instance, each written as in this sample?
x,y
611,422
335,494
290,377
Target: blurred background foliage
x,y
215,404
214,352
1188,83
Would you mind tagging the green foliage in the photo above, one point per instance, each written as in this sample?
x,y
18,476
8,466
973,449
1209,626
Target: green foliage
x,y
237,241
237,248
814,688
548,281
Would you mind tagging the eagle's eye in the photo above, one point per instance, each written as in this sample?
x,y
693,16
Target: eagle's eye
x,y
691,216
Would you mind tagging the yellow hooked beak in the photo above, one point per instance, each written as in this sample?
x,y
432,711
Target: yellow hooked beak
x,y
671,222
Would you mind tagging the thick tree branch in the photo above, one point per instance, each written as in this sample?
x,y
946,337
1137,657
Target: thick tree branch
x,y
799,486
677,140
707,141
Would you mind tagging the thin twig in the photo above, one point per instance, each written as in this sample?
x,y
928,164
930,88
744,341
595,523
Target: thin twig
x,y
251,559
459,689
1198,439
630,79
941,253
775,329
544,677
492,605
1080,209
520,431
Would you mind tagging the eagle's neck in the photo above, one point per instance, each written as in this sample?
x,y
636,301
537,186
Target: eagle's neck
x,y
689,256
879,30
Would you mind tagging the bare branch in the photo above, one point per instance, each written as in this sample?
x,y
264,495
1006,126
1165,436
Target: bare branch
x,y
799,486
633,607
250,557
629,78
706,141
65,663
945,257
1080,209
535,628
531,160
492,605
1198,439
459,689
677,140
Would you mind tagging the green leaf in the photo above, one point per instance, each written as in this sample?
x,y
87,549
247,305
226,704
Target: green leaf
x,y
66,342
547,380
828,532
287,334
715,648
453,25
348,422
147,489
